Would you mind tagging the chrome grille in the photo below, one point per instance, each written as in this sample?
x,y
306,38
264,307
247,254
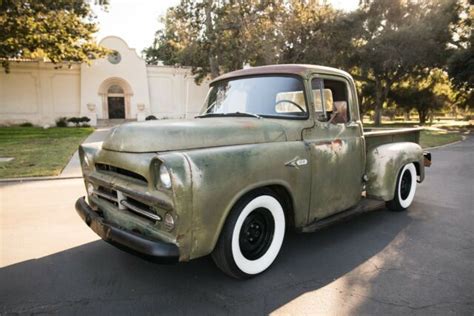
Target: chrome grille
x,y
140,211
126,203
120,171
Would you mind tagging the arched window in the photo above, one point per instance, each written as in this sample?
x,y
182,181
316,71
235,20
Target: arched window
x,y
115,89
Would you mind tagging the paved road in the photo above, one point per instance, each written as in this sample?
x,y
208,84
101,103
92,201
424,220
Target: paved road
x,y
380,263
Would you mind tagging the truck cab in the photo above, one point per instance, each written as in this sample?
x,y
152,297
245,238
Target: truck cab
x,y
274,148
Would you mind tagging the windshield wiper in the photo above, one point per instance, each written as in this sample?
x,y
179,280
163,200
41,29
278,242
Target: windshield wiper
x,y
210,115
229,114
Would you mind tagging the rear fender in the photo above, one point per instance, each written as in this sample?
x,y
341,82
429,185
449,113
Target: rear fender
x,y
384,162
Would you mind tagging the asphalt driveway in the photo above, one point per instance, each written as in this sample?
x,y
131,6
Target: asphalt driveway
x,y
379,263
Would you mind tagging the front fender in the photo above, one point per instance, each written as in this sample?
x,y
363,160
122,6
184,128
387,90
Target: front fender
x,y
222,175
181,193
383,164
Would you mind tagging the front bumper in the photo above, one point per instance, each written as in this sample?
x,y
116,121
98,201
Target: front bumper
x,y
153,250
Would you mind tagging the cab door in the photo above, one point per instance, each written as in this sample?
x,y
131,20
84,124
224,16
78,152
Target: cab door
x,y
337,148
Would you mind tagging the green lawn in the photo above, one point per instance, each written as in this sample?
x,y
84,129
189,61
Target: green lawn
x,y
38,151
433,138
442,133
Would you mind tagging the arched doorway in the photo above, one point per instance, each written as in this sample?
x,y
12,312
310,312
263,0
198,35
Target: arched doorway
x,y
116,102
116,94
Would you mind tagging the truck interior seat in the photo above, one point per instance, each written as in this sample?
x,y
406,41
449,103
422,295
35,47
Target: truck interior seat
x,y
341,112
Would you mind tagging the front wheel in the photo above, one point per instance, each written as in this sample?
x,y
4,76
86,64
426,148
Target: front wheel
x,y
404,190
252,236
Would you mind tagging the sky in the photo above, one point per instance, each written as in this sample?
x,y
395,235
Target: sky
x,y
136,21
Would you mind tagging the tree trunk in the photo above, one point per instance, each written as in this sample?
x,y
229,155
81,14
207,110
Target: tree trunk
x,y
382,88
378,102
407,115
214,67
422,114
213,64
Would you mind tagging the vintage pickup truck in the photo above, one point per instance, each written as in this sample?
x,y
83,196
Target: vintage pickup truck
x,y
274,148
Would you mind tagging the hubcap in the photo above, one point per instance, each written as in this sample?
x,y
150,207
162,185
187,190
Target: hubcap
x,y
256,234
405,186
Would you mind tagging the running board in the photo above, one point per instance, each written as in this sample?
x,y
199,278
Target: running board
x,y
363,206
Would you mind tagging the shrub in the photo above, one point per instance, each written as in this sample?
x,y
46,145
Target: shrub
x,y
150,118
75,120
26,124
78,120
61,122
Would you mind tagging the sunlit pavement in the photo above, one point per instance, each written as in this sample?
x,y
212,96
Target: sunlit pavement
x,y
38,219
380,263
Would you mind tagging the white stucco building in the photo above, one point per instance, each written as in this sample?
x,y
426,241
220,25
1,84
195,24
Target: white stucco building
x,y
121,86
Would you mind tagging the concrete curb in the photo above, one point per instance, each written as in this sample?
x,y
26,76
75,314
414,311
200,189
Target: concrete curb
x,y
463,138
29,179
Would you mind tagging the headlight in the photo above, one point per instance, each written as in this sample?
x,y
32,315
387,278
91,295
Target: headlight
x,y
87,163
165,177
89,188
169,221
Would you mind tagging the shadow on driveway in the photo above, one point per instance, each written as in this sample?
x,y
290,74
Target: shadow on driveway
x,y
98,278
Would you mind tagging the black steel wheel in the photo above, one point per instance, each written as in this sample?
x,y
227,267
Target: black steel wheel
x,y
256,233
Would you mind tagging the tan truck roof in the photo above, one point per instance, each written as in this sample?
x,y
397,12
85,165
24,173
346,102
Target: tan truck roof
x,y
291,69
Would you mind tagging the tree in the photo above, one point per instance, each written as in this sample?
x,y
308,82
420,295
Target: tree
x,y
461,62
380,44
423,100
400,38
461,67
315,33
59,30
425,93
218,36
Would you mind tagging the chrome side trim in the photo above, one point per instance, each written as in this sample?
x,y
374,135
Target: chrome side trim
x,y
133,208
105,195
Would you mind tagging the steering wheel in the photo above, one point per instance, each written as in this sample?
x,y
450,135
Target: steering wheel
x,y
292,102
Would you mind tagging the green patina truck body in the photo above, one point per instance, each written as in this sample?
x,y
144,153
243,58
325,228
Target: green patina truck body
x,y
274,148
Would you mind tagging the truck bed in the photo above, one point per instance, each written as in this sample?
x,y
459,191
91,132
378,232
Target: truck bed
x,y
378,136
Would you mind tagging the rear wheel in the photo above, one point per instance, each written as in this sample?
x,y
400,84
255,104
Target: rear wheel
x,y
252,236
404,190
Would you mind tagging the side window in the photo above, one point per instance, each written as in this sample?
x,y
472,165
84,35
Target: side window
x,y
331,100
318,97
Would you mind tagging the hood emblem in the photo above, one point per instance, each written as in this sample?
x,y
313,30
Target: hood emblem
x,y
296,162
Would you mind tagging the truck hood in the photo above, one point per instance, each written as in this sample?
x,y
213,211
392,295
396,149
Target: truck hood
x,y
168,135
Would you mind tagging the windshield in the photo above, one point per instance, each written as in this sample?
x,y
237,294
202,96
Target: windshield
x,y
277,96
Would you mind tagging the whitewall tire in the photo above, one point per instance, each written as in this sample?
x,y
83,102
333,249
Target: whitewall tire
x,y
405,189
252,235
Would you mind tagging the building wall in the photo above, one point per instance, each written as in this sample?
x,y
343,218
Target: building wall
x,y
173,92
39,92
195,97
129,73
